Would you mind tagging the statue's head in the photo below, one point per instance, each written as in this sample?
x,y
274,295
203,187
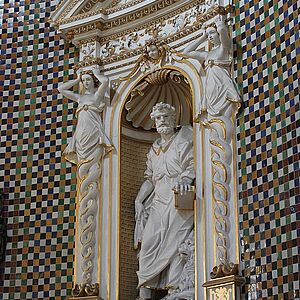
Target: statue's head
x,y
213,35
88,82
154,49
164,116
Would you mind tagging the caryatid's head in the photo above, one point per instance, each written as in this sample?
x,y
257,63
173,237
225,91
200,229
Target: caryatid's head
x,y
164,116
153,51
88,82
213,35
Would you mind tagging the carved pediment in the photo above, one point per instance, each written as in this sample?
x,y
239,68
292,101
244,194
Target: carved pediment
x,y
68,9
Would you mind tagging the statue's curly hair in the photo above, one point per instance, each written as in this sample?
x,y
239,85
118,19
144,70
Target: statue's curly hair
x,y
90,72
161,106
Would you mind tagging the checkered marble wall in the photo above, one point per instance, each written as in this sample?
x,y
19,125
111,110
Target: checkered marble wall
x,y
40,186
268,71
35,124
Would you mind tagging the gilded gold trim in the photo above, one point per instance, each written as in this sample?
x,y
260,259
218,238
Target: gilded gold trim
x,y
224,270
140,14
124,19
220,206
100,209
222,293
235,196
123,6
68,8
232,279
89,5
88,62
203,216
110,192
221,123
119,180
217,144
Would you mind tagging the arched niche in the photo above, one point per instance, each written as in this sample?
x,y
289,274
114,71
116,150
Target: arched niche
x,y
137,136
123,137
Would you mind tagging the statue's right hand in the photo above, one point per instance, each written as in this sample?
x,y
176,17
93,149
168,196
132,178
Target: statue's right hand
x,y
139,209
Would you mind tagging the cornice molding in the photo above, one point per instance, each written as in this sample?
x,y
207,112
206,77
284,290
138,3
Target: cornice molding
x,y
119,20
123,6
187,30
117,23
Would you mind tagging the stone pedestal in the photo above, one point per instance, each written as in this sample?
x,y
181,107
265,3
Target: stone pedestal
x,y
85,298
224,288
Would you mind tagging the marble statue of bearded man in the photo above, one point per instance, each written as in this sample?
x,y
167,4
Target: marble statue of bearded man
x,y
160,227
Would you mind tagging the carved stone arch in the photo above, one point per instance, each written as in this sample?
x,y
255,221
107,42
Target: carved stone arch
x,y
188,69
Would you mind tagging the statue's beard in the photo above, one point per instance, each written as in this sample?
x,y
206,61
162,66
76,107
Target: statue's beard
x,y
165,129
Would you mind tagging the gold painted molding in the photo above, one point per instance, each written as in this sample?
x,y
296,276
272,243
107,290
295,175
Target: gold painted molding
x,y
134,52
232,279
111,9
145,11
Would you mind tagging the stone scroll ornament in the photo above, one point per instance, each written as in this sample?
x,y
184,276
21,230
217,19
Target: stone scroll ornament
x,y
220,103
87,149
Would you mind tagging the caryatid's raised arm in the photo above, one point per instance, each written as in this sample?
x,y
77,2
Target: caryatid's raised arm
x,y
97,94
64,88
191,51
225,39
104,82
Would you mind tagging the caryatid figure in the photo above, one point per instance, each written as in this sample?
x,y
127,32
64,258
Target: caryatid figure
x,y
220,102
86,149
220,92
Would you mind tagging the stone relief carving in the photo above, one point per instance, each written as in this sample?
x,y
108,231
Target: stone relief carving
x,y
139,38
221,99
162,29
88,50
186,289
155,55
160,227
86,149
208,5
222,293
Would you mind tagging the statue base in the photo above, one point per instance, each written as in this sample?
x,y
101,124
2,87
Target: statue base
x,y
85,298
224,288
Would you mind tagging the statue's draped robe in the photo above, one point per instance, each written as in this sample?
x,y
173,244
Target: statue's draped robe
x,y
220,89
160,265
89,134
